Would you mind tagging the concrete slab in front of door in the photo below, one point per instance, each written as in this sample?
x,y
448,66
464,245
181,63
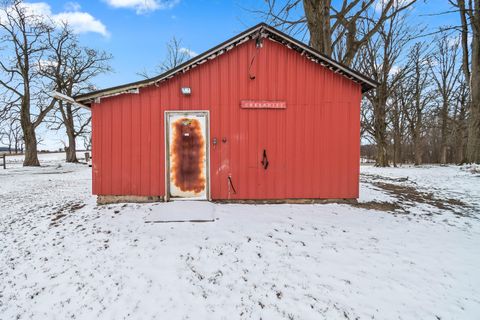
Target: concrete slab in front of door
x,y
182,211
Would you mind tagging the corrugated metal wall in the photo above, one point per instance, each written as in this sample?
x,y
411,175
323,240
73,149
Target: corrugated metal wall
x,y
312,145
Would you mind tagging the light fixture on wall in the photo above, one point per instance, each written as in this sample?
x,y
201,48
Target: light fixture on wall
x,y
186,91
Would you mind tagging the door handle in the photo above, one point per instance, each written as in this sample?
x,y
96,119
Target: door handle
x,y
264,161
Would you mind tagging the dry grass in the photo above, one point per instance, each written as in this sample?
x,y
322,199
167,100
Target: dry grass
x,y
376,205
62,212
406,195
410,194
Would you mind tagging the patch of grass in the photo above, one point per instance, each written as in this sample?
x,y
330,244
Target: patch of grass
x,y
407,194
62,212
411,194
376,205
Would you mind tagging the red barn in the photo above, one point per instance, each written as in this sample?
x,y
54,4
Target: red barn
x,y
261,116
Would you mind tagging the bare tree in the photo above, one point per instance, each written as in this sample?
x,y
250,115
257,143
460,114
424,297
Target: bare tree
x,y
397,117
445,72
70,69
332,28
459,122
87,140
176,55
470,26
11,135
416,88
22,35
378,58
6,137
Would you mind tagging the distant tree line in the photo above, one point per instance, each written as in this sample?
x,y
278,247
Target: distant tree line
x,y
427,105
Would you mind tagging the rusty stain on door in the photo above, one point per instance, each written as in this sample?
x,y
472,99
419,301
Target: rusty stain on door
x,y
188,155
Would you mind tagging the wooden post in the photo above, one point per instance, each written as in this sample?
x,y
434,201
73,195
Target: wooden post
x,y
4,161
87,156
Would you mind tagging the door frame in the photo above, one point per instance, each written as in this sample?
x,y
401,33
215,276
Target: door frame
x,y
167,114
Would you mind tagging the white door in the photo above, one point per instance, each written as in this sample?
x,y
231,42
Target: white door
x,y
187,155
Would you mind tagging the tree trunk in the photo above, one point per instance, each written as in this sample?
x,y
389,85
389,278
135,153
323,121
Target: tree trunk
x,y
397,148
471,15
31,157
473,144
394,158
460,154
29,136
443,134
460,135
382,160
318,22
418,149
380,126
443,154
69,124
72,147
397,133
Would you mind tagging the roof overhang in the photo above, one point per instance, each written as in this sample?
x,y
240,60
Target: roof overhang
x,y
63,97
259,31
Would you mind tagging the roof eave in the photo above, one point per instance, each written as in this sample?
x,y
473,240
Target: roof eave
x,y
365,82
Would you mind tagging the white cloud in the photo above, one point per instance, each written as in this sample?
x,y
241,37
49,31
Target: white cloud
x,y
380,4
38,8
143,6
72,6
189,52
394,70
80,22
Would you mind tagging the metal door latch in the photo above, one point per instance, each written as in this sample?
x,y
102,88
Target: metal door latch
x,y
264,161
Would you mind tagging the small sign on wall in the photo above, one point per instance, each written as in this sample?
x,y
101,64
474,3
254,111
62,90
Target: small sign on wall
x,y
262,104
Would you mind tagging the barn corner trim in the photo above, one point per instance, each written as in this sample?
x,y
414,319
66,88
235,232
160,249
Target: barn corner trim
x,y
261,30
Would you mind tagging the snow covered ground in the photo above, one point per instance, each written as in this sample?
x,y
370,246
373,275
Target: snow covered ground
x,y
410,249
48,158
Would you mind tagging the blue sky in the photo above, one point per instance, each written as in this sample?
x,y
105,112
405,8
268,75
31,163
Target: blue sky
x,y
137,39
136,31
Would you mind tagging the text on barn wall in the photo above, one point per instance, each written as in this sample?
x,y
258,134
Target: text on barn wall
x,y
259,104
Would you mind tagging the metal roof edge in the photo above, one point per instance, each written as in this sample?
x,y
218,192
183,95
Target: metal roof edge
x,y
357,75
365,81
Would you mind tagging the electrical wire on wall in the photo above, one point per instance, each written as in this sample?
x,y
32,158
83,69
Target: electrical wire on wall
x,y
258,45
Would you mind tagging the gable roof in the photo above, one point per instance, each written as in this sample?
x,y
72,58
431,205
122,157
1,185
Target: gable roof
x,y
260,30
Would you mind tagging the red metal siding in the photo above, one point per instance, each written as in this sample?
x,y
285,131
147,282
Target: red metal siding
x,y
312,145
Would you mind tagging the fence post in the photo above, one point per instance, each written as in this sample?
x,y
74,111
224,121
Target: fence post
x,y
87,156
4,162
